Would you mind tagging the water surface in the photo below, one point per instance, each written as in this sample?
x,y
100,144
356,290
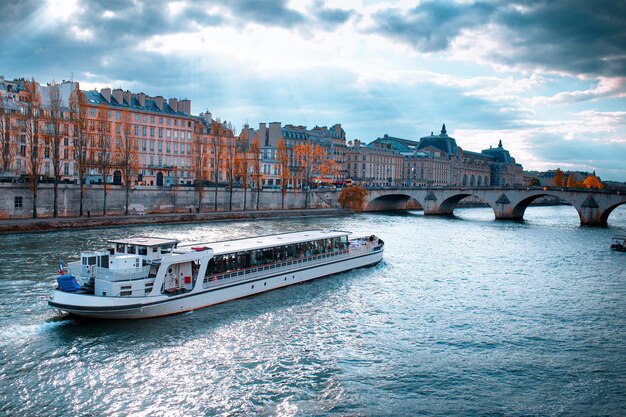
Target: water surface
x,y
466,316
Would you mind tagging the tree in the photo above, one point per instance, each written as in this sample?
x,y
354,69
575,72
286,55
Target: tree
x,y
593,182
242,167
127,153
105,150
55,139
282,157
231,152
310,158
353,197
31,124
217,153
80,140
200,160
534,182
7,145
255,149
558,180
571,182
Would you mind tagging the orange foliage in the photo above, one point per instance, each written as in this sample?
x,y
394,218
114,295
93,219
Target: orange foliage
x,y
593,182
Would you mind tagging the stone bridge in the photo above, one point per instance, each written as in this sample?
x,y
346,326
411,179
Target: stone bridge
x,y
593,206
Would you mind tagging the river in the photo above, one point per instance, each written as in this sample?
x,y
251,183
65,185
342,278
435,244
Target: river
x,y
465,316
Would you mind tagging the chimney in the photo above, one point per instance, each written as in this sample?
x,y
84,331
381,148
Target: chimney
x,y
106,93
184,106
274,133
118,95
127,97
158,100
141,98
173,104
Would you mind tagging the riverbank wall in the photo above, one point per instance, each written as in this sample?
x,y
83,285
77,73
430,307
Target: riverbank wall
x,y
51,224
17,200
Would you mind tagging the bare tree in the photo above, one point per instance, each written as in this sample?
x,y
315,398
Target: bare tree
x,y
31,128
255,150
242,167
217,152
105,149
80,140
55,139
127,153
282,157
230,163
7,145
200,160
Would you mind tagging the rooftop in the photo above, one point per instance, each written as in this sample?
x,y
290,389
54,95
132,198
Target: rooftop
x,y
251,243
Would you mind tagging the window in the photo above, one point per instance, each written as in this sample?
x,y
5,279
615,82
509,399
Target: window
x,y
160,133
160,146
151,119
19,203
118,115
143,131
160,121
152,131
151,146
145,118
175,122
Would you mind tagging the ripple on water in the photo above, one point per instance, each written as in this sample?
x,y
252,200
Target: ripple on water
x,y
466,316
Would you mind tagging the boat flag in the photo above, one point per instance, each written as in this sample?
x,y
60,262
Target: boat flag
x,y
61,268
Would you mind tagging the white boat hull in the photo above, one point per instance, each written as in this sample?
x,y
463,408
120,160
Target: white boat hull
x,y
145,307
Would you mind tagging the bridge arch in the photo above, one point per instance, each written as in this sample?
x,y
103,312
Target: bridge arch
x,y
389,202
604,217
517,212
448,205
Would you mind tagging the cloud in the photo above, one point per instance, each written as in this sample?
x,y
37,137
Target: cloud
x,y
431,26
570,36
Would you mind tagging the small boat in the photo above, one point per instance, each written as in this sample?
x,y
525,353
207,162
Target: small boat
x,y
619,243
146,277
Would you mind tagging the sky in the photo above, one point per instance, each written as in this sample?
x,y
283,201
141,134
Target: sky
x,y
548,78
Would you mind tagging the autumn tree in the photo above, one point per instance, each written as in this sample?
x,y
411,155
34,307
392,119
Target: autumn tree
x,y
593,182
282,157
230,164
534,182
7,145
242,167
571,181
558,180
80,140
126,153
105,149
217,153
55,137
257,176
31,125
200,161
309,158
353,197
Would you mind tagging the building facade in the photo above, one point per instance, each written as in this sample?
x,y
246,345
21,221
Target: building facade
x,y
376,165
437,160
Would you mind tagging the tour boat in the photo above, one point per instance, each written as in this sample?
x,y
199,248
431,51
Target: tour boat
x,y
145,277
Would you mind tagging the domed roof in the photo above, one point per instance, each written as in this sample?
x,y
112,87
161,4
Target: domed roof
x,y
441,141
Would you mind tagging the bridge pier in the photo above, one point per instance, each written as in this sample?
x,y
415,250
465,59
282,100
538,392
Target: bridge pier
x,y
504,210
590,213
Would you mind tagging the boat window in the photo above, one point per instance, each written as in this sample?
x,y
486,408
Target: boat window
x,y
119,248
166,248
142,250
132,249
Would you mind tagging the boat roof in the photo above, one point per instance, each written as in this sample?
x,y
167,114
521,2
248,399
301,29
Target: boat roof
x,y
146,241
620,237
267,241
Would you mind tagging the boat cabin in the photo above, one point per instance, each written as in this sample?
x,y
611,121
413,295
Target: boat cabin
x,y
148,249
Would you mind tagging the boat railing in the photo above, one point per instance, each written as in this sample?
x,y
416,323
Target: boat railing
x,y
287,265
109,275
